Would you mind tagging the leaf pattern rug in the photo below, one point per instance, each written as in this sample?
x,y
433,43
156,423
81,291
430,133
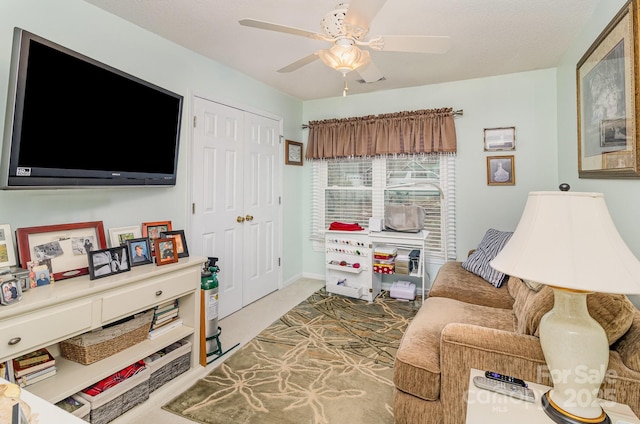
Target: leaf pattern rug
x,y
327,361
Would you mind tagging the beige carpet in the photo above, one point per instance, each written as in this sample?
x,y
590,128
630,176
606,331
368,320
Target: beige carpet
x,y
328,360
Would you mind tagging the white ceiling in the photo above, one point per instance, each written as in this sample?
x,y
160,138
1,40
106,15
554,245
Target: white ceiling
x,y
489,37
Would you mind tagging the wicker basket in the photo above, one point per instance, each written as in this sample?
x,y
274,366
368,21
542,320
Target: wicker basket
x,y
169,366
115,401
93,346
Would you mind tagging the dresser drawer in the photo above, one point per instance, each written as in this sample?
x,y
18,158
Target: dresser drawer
x,y
141,297
24,333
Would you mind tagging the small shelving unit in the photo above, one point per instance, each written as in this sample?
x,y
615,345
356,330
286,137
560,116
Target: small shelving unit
x,y
344,249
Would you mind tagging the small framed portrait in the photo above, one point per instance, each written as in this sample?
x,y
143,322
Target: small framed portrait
x,y
10,290
501,170
106,262
181,241
166,252
139,251
119,236
152,230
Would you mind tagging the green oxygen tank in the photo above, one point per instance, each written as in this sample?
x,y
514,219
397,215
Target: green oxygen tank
x,y
209,286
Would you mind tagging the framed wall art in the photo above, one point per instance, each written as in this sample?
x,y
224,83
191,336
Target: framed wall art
x,y
106,262
293,153
606,77
7,250
181,242
66,245
119,236
501,170
139,251
166,252
496,139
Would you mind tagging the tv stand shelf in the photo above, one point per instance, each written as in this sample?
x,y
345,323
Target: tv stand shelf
x,y
100,302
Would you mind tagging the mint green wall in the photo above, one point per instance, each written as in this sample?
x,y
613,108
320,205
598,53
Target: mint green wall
x,y
524,100
107,38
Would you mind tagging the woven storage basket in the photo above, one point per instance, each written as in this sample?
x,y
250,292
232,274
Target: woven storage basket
x,y
113,402
169,366
93,346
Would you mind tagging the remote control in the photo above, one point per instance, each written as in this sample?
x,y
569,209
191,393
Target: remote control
x,y
506,378
504,388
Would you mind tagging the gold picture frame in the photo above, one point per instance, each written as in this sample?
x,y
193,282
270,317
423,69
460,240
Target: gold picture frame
x,y
293,153
496,139
501,170
607,83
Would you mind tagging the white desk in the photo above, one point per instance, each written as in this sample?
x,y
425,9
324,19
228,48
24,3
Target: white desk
x,y
484,406
47,412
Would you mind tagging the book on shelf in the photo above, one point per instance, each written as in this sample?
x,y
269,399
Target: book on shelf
x,y
35,357
164,329
163,323
19,370
32,378
166,306
165,317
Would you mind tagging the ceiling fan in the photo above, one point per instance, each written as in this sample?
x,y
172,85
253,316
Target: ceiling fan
x,y
347,27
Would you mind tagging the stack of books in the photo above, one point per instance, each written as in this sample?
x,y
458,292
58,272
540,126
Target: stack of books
x,y
33,367
165,318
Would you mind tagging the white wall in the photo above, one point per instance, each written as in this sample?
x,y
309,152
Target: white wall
x,y
83,27
525,100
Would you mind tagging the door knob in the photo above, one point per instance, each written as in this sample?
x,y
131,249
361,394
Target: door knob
x,y
249,218
240,219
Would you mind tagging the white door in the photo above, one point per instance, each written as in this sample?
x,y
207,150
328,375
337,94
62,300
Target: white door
x,y
261,206
234,171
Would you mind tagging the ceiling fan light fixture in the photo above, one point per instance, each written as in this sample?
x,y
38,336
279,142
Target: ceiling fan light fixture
x,y
344,58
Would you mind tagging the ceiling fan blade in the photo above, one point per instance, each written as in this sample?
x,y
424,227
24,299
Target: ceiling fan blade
x,y
278,28
362,12
415,43
299,63
369,72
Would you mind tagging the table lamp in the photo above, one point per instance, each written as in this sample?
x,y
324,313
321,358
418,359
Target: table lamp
x,y
568,241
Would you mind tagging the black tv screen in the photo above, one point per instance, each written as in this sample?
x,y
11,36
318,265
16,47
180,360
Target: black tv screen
x,y
75,122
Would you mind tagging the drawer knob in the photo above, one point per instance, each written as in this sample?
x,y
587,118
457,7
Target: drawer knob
x,y
14,341
159,293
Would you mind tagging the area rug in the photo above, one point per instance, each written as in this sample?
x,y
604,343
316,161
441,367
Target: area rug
x,y
327,361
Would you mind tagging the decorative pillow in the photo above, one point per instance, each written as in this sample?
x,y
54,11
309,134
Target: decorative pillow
x,y
629,346
478,262
533,285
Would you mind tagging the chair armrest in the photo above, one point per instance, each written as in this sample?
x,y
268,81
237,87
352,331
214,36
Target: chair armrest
x,y
464,346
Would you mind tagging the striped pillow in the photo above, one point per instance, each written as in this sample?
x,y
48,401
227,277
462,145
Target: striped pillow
x,y
488,249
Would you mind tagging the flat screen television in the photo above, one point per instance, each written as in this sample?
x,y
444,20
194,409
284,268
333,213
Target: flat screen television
x,y
75,122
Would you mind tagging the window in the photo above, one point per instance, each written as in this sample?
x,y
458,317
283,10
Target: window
x,y
353,190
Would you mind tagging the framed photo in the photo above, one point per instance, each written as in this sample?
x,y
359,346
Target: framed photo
x,y
119,236
66,245
139,251
181,242
10,290
606,77
106,262
501,170
496,139
293,153
7,251
40,273
152,230
166,252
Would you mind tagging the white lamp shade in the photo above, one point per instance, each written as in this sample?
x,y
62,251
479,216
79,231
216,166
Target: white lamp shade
x,y
567,239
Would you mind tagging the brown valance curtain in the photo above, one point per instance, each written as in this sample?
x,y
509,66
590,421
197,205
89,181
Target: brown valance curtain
x,y
415,132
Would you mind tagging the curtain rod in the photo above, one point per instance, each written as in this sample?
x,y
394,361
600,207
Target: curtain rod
x,y
459,112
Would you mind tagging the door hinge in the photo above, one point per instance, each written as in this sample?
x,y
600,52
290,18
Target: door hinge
x,y
193,208
195,121
279,200
281,139
279,262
